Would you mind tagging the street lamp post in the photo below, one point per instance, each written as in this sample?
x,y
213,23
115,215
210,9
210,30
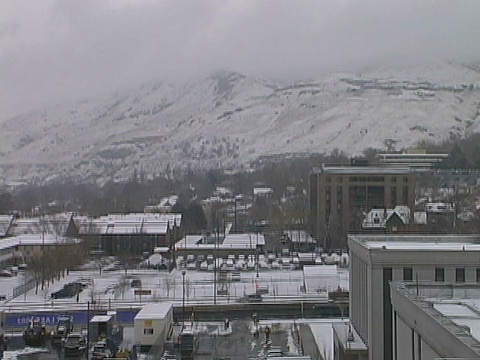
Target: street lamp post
x,y
43,257
88,328
256,250
183,298
43,240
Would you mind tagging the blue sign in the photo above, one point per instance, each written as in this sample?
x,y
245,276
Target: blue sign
x,y
48,318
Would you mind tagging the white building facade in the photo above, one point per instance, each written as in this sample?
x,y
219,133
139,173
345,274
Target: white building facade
x,y
376,260
435,321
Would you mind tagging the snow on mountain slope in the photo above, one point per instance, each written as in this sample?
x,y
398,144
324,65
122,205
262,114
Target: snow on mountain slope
x,y
229,120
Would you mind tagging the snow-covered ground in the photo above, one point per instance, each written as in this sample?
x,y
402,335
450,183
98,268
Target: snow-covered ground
x,y
114,288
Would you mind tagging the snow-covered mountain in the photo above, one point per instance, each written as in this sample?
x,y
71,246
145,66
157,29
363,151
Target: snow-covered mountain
x,y
229,120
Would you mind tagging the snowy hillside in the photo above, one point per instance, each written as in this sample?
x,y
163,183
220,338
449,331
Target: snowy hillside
x,y
229,120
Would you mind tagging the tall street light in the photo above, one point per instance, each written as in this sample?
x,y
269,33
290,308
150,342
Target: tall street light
x,y
88,329
183,300
256,251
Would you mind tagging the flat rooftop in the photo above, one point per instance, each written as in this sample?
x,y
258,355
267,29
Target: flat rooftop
x,y
456,307
158,310
354,170
418,242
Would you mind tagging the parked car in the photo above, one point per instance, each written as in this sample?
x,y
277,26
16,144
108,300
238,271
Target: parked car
x,y
100,351
62,329
68,290
5,273
249,298
136,283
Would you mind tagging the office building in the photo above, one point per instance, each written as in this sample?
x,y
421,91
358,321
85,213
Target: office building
x,y
376,260
341,195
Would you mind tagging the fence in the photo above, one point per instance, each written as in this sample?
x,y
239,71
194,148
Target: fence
x,y
23,288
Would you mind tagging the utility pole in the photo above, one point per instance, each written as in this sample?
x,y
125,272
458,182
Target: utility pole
x,y
215,266
183,298
88,329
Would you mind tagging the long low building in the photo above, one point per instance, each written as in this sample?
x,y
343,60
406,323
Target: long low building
x,y
19,249
133,233
222,246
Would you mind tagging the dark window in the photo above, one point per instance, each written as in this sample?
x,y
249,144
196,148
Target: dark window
x,y
419,347
439,274
460,274
407,274
393,196
387,315
405,194
375,179
478,275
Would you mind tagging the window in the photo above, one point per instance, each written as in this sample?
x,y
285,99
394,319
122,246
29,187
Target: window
x,y
148,331
439,274
478,275
407,274
460,274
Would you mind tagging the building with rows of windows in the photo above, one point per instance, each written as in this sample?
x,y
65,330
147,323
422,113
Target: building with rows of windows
x,y
341,195
452,262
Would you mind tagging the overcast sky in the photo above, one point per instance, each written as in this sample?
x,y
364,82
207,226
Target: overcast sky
x,y
57,50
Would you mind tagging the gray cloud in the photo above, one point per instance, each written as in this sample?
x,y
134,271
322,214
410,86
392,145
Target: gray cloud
x,y
56,50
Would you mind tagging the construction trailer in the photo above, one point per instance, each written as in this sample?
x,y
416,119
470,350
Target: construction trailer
x,y
152,325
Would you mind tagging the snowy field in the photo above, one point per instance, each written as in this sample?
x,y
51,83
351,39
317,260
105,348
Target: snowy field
x,y
114,288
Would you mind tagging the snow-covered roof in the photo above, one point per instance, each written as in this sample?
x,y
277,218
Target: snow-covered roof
x,y
133,223
5,221
231,241
55,224
418,242
100,318
36,240
299,236
244,239
262,190
362,170
158,310
377,218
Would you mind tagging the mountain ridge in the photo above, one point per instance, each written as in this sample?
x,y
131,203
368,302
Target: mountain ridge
x,y
229,120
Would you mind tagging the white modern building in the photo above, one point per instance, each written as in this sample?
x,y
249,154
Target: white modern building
x,y
433,320
152,325
376,260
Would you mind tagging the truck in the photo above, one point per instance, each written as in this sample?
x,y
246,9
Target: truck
x,y
75,344
62,329
35,334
